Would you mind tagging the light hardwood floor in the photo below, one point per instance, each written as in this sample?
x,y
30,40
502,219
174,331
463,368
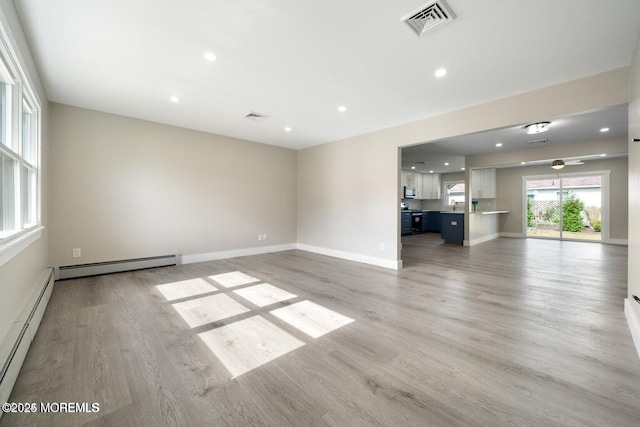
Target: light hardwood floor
x,y
509,332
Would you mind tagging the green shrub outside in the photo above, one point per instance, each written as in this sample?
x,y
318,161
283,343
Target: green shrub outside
x,y
552,214
572,207
529,214
597,226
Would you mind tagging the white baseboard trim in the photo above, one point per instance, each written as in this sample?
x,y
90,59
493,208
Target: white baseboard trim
x,y
623,242
350,256
481,239
214,256
513,235
634,323
14,346
522,236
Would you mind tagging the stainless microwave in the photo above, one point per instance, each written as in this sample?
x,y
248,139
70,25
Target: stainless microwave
x,y
409,193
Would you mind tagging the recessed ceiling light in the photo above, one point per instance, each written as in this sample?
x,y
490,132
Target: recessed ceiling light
x,y
342,108
446,164
413,167
604,130
499,144
209,56
441,72
537,127
603,155
287,129
174,99
430,171
461,169
523,163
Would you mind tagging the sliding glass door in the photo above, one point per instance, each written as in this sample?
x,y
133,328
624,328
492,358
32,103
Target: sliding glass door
x,y
543,208
565,206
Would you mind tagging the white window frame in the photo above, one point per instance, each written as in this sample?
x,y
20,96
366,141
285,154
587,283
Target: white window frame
x,y
446,194
22,98
605,188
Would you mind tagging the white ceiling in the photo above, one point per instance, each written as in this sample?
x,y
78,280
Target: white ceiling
x,y
297,61
562,130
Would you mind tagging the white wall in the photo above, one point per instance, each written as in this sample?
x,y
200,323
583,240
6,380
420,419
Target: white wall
x,y
19,277
127,188
510,193
365,167
348,201
633,308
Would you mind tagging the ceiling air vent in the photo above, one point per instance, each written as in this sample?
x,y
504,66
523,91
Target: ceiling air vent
x,y
429,16
256,117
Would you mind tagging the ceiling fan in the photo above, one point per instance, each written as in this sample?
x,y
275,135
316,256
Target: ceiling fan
x,y
559,164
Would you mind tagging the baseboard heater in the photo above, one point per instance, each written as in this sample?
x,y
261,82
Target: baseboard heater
x,y
97,268
14,348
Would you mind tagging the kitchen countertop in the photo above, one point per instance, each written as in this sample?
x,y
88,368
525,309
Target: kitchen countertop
x,y
476,213
490,212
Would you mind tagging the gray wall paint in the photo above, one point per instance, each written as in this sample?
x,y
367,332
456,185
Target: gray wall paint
x,y
19,277
510,194
332,174
448,177
514,157
348,198
125,188
634,181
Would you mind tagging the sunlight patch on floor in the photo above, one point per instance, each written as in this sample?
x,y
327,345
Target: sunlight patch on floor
x,y
311,318
209,309
233,279
243,344
185,289
247,344
264,294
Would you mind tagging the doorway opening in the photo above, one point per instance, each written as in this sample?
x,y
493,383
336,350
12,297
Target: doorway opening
x,y
567,206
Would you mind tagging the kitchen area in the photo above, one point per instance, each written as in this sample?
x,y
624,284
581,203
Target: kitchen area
x,y
434,205
470,189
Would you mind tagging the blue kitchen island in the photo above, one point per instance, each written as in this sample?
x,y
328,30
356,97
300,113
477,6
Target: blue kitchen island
x,y
452,227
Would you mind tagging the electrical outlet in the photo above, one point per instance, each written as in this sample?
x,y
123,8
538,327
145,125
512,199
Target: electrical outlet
x,y
77,252
259,236
264,236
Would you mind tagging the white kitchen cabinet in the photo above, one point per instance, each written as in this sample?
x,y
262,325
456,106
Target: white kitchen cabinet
x,y
417,184
404,178
483,183
431,186
411,179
